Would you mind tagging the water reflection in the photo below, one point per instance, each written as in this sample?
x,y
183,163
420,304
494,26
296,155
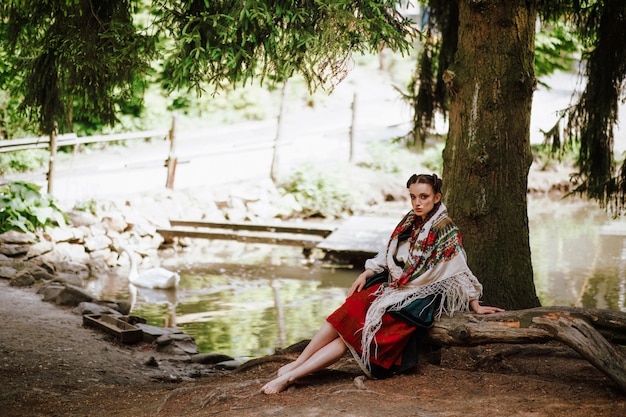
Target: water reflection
x,y
228,311
247,300
577,254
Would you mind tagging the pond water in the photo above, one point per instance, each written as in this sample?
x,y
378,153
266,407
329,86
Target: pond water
x,y
247,300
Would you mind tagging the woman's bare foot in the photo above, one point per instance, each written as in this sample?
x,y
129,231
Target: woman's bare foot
x,y
276,385
286,368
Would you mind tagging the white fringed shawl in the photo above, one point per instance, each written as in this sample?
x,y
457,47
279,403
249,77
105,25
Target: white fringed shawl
x,y
436,266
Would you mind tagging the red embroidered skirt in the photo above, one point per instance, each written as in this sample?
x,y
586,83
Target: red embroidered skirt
x,y
390,340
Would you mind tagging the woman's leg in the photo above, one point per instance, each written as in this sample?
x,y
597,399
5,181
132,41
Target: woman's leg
x,y
324,336
320,359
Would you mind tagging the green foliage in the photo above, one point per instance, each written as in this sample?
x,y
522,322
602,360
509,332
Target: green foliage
x,y
88,206
433,157
13,124
233,41
320,193
72,58
23,207
545,154
85,64
556,46
22,161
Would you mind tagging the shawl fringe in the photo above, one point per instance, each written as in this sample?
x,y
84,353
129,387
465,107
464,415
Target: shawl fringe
x,y
452,288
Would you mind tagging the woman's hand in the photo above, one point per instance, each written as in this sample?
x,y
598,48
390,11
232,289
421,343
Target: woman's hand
x,y
478,309
359,282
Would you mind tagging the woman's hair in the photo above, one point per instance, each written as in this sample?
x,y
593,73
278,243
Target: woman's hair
x,y
433,180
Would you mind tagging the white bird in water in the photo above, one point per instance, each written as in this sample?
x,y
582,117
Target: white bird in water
x,y
155,278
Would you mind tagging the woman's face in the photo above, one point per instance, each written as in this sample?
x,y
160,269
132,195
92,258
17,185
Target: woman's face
x,y
423,198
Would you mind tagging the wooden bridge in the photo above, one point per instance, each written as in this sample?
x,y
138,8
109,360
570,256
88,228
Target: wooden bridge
x,y
349,242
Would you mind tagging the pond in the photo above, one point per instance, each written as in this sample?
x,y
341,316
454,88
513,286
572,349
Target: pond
x,y
247,300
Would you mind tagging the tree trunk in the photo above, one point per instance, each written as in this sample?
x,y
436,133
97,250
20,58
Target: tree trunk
x,y
584,330
487,154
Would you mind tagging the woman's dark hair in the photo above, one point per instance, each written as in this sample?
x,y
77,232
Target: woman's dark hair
x,y
433,180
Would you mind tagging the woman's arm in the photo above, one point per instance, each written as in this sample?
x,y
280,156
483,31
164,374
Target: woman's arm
x,y
475,305
359,282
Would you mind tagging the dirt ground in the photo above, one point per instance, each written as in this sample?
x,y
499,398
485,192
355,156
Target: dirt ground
x,y
51,365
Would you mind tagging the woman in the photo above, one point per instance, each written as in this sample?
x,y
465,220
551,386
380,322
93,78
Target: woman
x,y
419,276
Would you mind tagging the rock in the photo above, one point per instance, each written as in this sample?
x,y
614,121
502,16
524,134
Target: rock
x,y
152,333
51,291
94,308
152,362
7,272
22,279
210,358
15,237
78,269
14,250
82,218
65,234
50,259
262,209
39,249
44,263
101,261
37,272
228,365
67,295
70,279
114,222
96,229
98,242
144,229
75,253
177,344
123,306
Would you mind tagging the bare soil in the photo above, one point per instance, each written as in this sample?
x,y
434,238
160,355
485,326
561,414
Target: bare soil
x,y
51,365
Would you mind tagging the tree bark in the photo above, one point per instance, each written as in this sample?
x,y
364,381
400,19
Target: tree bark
x,y
587,331
487,154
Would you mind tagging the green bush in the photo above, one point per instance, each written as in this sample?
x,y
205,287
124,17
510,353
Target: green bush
x,y
23,207
319,193
433,157
88,206
22,161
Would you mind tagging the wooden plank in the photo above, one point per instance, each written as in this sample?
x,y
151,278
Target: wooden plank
x,y
360,235
308,229
125,332
118,137
39,142
353,241
307,241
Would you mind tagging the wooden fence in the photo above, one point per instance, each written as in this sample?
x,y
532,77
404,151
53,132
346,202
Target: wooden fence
x,y
54,141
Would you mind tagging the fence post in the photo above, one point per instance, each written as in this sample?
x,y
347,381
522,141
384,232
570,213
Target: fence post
x,y
171,160
352,127
53,154
278,137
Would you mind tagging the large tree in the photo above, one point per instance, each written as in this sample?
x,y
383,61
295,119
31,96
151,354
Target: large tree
x,y
487,154
485,84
